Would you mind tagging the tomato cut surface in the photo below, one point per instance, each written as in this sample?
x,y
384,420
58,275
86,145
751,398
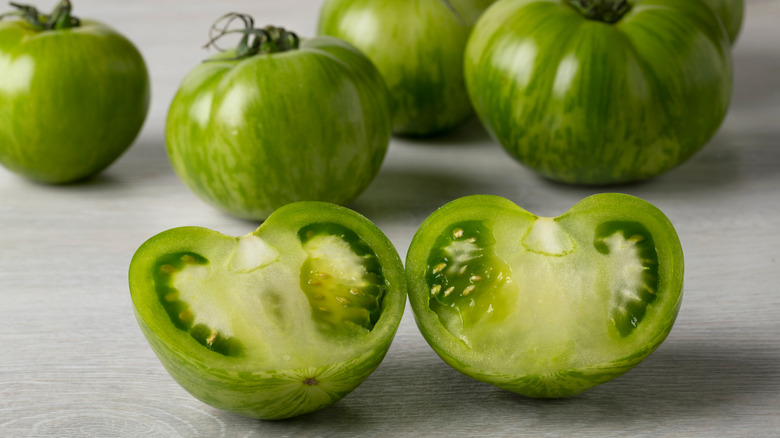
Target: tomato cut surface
x,y
546,307
280,322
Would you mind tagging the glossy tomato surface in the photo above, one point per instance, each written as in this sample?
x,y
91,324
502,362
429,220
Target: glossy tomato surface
x,y
542,306
72,100
280,322
250,135
585,101
418,46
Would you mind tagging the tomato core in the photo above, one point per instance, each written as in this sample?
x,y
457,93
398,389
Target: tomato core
x,y
607,11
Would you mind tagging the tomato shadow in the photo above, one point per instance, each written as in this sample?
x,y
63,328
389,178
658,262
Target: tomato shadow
x,y
717,167
414,192
470,132
679,381
414,392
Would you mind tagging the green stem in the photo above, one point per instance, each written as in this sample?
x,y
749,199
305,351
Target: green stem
x,y
607,11
254,41
59,19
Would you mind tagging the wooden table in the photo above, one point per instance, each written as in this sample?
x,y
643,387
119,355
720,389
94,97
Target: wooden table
x,y
74,363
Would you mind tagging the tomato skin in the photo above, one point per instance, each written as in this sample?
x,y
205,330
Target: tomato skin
x,y
251,135
731,13
513,363
259,385
585,102
71,101
418,47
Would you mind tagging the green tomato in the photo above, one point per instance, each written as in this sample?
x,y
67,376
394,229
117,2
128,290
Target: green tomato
x,y
731,13
545,307
624,95
280,322
250,131
418,46
73,95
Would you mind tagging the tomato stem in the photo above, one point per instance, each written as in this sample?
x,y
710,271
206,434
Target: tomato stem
x,y
608,11
254,41
59,19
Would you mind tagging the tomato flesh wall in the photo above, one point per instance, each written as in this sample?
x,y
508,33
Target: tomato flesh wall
x,y
548,292
246,309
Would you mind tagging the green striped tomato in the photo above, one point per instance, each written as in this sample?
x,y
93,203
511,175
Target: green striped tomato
x,y
250,133
545,307
731,13
418,46
588,101
280,322
73,95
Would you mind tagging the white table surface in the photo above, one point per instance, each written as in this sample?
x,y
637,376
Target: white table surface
x,y
74,363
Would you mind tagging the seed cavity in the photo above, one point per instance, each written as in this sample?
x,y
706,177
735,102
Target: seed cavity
x,y
342,279
180,312
635,280
464,276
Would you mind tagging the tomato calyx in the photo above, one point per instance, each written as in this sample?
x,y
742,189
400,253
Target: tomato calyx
x,y
607,11
59,19
255,41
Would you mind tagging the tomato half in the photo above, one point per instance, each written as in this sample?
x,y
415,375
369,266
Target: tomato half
x,y
73,95
418,46
275,121
277,323
600,96
545,307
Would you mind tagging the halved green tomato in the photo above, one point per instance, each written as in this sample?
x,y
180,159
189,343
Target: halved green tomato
x,y
545,307
277,323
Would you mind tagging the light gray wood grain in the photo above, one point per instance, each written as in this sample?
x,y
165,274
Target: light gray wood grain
x,y
73,362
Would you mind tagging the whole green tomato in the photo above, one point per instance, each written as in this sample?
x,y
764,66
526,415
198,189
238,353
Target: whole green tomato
x,y
600,91
731,13
280,322
418,46
279,120
541,306
73,94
